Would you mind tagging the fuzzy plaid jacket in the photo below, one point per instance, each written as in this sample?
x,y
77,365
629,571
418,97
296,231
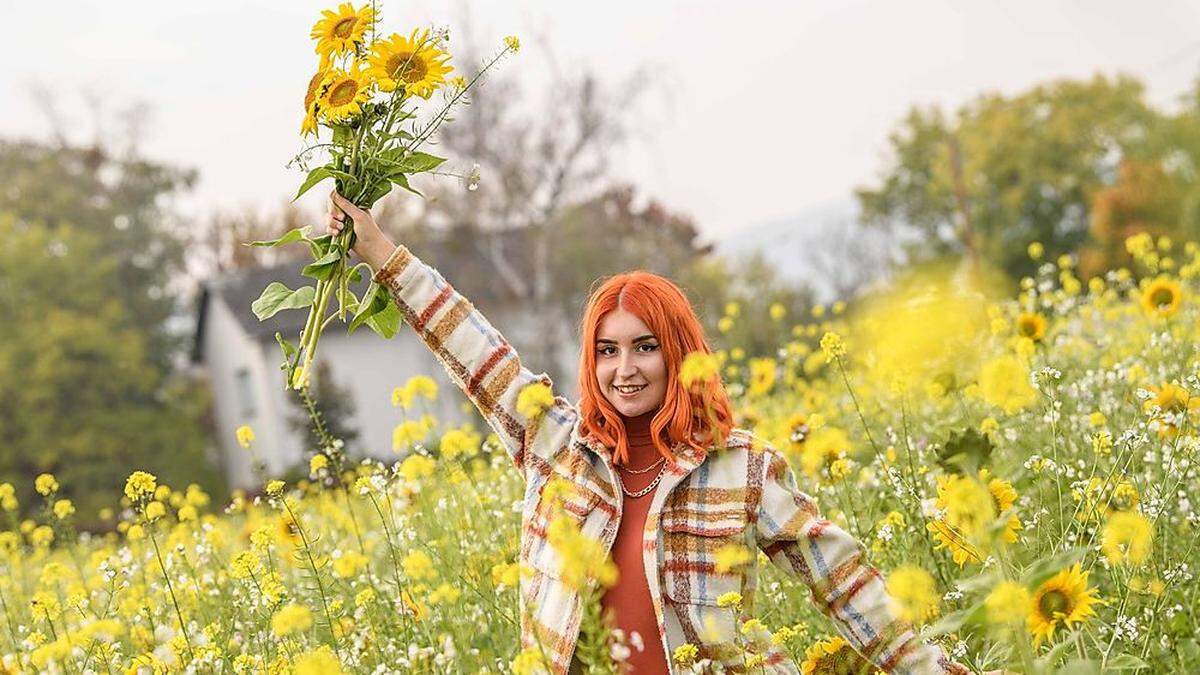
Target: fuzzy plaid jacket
x,y
742,493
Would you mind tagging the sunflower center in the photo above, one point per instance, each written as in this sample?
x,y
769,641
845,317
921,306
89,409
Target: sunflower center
x,y
343,28
1028,328
1162,297
407,67
343,92
1054,603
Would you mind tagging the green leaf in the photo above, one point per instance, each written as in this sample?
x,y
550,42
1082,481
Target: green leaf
x,y
1126,662
1079,667
289,349
369,306
387,322
417,162
1045,568
377,192
315,176
292,236
954,621
342,134
402,180
322,268
276,297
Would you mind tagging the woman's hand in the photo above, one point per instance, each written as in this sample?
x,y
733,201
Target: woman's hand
x,y
370,243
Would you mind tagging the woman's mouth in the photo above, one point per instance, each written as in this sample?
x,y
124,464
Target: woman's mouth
x,y
630,390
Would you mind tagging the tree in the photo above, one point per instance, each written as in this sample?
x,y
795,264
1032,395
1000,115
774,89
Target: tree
x,y
1007,171
124,202
535,166
83,396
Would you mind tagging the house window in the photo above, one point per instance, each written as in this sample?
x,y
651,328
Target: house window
x,y
245,391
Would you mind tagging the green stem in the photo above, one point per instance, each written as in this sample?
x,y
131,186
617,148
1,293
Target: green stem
x,y
175,601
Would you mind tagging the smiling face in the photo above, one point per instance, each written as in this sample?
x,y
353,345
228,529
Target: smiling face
x,y
630,368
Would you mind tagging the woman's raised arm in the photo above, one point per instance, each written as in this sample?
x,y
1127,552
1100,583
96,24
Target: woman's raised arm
x,y
475,355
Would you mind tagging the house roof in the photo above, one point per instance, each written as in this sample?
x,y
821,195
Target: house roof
x,y
456,255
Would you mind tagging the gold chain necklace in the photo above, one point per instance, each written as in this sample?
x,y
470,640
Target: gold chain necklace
x,y
660,460
644,490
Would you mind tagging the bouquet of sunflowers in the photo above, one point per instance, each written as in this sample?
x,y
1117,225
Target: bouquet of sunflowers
x,y
367,113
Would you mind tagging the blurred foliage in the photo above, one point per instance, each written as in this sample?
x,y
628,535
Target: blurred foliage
x,y
82,395
1075,165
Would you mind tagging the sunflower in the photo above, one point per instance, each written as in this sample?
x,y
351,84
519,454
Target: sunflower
x,y
412,62
286,531
343,94
797,430
1031,325
834,656
1173,404
316,89
1161,297
341,32
1003,498
1063,599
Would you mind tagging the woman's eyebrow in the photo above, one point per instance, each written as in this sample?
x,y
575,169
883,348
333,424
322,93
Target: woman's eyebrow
x,y
636,340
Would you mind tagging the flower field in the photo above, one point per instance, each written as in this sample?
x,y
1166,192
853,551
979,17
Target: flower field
x,y
1020,468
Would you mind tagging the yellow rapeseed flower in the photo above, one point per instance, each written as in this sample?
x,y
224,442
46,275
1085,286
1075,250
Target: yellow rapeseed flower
x,y
731,557
245,436
530,662
415,467
1126,539
140,486
534,399
832,346
321,661
1008,603
1004,383
418,565
685,654
914,594
291,619
698,367
63,509
45,484
512,43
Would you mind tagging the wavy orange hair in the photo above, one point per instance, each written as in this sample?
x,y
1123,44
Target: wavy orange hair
x,y
703,411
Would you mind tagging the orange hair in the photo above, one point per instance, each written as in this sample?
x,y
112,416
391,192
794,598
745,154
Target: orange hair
x,y
703,411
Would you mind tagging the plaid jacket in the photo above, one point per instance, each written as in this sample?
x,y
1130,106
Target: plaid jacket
x,y
742,493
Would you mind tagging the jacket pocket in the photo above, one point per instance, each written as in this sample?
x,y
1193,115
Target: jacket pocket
x,y
692,536
537,552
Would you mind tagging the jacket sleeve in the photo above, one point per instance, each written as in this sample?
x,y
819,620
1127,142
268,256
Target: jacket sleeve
x,y
477,358
832,564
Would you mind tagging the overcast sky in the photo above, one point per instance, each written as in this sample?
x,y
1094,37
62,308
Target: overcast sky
x,y
764,109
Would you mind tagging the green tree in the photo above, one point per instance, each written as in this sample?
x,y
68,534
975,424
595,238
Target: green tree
x,y
83,396
124,201
1007,171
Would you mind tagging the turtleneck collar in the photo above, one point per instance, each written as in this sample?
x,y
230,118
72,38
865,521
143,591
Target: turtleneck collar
x,y
637,429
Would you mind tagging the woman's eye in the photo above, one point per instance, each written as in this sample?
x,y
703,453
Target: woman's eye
x,y
649,347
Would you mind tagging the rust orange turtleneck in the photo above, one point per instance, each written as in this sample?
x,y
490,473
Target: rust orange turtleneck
x,y
629,600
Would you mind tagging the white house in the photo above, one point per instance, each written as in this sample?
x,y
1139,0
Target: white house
x,y
241,359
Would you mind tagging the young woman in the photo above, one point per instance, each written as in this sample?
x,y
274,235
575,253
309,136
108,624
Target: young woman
x,y
660,476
